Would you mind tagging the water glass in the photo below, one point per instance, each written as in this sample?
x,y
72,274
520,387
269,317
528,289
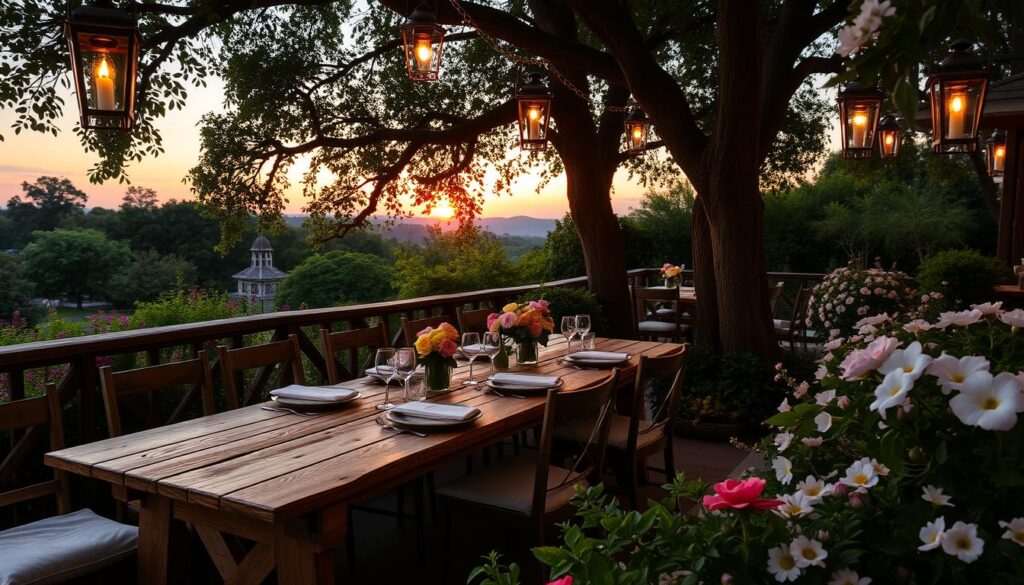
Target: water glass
x,y
405,365
582,325
490,345
568,330
385,364
415,388
471,349
588,341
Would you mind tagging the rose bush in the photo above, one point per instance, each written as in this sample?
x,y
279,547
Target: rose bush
x,y
848,294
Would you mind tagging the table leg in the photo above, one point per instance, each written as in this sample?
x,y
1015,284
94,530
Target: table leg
x,y
300,562
154,539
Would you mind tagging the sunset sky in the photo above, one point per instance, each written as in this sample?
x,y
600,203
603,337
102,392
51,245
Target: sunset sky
x,y
29,155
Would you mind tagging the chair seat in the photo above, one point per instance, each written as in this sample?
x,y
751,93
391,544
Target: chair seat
x,y
508,485
661,327
56,549
618,434
782,326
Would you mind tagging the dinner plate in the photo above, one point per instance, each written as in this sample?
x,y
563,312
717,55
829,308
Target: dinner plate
x,y
522,389
417,423
298,403
596,363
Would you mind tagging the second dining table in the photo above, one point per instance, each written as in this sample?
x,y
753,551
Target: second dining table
x,y
287,482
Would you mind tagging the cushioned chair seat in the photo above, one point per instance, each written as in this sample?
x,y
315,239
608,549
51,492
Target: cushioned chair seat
x,y
660,327
60,548
665,312
509,486
618,434
782,326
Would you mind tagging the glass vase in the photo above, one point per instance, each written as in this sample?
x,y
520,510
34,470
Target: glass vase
x,y
500,359
437,378
527,353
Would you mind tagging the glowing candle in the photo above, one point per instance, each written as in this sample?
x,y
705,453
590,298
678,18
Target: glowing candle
x,y
104,86
637,135
533,122
957,107
998,159
860,130
423,52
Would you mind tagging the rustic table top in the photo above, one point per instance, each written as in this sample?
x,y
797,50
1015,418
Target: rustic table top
x,y
271,466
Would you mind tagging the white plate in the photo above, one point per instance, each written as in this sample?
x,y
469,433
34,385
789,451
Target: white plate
x,y
522,389
313,404
425,424
593,363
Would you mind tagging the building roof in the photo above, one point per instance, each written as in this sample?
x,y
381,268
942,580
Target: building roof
x,y
260,273
261,244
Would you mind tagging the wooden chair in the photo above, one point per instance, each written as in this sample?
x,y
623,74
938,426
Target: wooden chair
x,y
633,438
532,491
474,321
350,342
652,325
63,547
775,297
795,328
411,327
233,363
194,373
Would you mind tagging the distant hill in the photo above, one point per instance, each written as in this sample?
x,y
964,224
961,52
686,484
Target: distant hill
x,y
414,229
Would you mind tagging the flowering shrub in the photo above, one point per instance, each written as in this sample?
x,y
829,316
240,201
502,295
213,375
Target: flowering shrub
x,y
437,345
522,322
848,294
190,307
903,463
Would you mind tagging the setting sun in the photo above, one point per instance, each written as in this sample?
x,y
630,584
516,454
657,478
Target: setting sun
x,y
443,209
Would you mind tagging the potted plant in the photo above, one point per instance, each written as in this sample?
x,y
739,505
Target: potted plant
x,y
672,274
435,347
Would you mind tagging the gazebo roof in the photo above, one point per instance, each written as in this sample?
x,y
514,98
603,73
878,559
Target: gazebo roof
x,y
260,273
261,244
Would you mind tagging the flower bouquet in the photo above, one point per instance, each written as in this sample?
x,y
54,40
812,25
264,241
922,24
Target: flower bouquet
x,y
672,274
528,324
435,347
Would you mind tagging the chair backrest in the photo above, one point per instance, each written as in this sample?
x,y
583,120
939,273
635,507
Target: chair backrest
x,y
36,418
775,296
474,321
411,327
350,342
798,319
585,416
119,386
669,367
649,300
234,362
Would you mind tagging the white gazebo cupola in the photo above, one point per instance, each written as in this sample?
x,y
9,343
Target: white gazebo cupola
x,y
259,281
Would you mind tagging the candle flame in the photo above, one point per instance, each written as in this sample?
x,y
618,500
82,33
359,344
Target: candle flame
x,y
1000,152
956,104
533,112
103,70
423,50
889,139
638,133
860,120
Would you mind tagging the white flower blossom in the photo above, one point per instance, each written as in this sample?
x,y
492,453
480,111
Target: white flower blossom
x,y
813,489
934,495
911,359
783,469
807,552
860,476
782,565
962,542
794,505
1014,530
952,372
823,422
848,577
782,441
931,534
892,391
989,403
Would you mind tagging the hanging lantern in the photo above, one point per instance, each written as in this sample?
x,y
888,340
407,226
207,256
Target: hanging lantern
x,y
957,88
858,119
889,135
637,126
104,45
534,101
995,153
422,38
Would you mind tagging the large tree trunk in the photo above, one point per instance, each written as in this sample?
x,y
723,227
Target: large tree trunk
x,y
704,277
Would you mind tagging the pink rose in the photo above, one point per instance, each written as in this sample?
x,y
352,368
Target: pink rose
x,y
535,329
843,402
861,362
567,580
507,320
540,305
424,331
491,319
448,348
856,501
740,494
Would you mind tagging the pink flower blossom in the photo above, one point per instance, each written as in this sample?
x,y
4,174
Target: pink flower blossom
x,y
508,320
567,580
861,362
989,308
740,494
1014,318
812,441
960,319
448,348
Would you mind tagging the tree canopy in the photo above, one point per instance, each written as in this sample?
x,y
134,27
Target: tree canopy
x,y
74,263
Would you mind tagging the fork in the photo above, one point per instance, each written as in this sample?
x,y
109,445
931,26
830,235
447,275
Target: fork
x,y
383,423
284,409
503,394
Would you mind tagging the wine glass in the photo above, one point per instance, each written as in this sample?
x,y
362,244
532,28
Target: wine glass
x,y
405,365
582,325
385,365
490,345
568,330
471,349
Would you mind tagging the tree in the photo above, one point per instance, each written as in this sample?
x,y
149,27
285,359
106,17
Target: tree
x,y
148,276
74,263
662,223
48,202
458,261
337,278
140,198
15,288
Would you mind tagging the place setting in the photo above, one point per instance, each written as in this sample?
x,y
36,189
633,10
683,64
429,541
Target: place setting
x,y
419,417
586,356
310,400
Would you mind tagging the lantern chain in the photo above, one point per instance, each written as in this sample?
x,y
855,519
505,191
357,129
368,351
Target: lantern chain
x,y
517,58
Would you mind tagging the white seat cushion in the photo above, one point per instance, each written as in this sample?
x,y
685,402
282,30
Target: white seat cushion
x,y
56,549
659,327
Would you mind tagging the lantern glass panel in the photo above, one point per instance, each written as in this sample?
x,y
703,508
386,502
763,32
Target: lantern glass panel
x,y
860,120
995,157
636,136
104,72
533,122
889,143
962,105
423,44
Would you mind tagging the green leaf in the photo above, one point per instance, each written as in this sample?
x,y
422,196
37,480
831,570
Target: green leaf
x,y
893,451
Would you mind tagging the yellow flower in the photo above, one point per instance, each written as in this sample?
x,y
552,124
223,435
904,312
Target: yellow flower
x,y
673,272
548,323
423,346
510,308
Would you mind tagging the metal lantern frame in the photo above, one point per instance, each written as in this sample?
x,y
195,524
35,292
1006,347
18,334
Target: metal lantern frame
x,y
995,153
637,127
100,28
856,100
422,32
534,104
958,81
890,135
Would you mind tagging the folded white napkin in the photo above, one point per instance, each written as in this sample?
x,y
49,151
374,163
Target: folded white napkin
x,y
437,411
527,380
609,356
472,348
318,393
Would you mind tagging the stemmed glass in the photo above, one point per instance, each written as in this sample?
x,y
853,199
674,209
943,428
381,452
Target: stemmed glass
x,y
405,365
569,330
490,346
471,349
385,363
582,326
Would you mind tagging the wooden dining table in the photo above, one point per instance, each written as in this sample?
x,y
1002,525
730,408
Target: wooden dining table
x,y
287,482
